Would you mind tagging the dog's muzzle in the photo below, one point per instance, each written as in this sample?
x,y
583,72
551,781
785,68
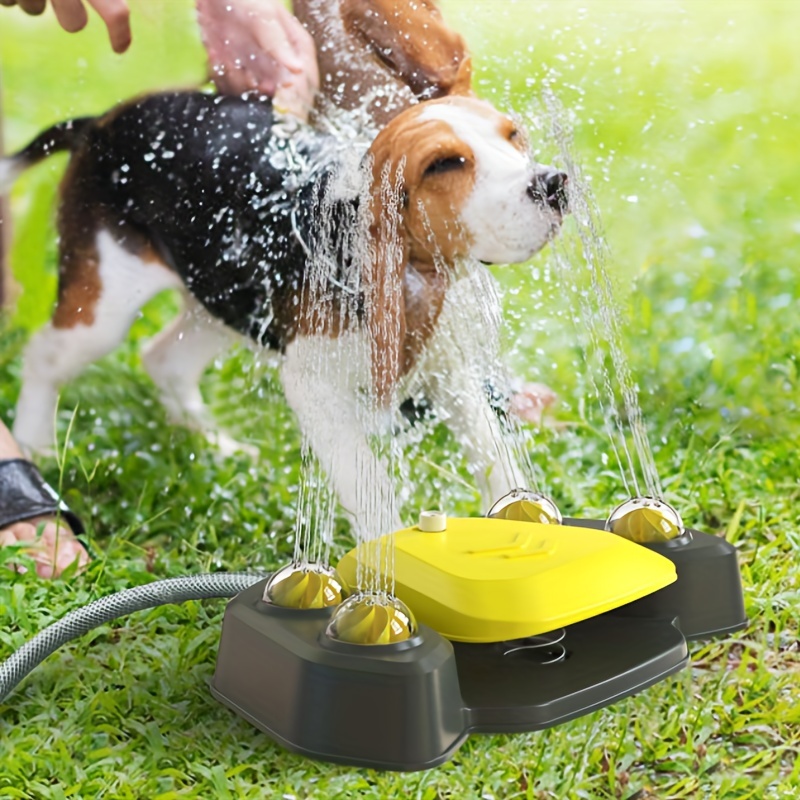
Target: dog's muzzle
x,y
550,189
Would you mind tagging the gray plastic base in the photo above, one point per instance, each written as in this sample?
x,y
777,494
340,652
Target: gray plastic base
x,y
410,706
384,706
707,598
606,659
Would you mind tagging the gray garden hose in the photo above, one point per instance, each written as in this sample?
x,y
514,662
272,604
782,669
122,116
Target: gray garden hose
x,y
82,620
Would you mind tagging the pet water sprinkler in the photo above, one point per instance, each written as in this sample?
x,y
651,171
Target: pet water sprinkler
x,y
513,622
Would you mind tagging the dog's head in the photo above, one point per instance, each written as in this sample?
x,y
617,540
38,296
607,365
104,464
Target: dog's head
x,y
468,185
451,179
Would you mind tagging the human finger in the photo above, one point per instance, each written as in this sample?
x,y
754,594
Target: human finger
x,y
8,3
296,94
71,15
303,44
116,15
34,7
288,99
233,79
295,51
271,37
268,73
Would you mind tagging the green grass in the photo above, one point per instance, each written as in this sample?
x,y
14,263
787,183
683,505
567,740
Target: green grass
x,y
689,108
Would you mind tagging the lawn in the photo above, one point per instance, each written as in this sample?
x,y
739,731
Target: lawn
x,y
684,121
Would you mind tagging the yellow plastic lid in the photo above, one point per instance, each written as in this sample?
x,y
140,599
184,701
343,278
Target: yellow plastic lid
x,y
489,580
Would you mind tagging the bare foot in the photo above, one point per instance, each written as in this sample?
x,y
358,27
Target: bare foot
x,y
53,551
56,547
530,402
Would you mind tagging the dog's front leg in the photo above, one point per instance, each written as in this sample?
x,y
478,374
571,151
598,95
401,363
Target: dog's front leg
x,y
317,376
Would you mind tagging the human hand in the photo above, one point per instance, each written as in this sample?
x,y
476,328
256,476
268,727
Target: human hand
x,y
257,45
72,16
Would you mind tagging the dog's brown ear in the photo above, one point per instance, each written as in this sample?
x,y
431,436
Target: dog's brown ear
x,y
462,84
383,279
412,40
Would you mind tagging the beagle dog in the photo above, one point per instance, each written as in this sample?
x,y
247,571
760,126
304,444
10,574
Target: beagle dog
x,y
345,262
378,57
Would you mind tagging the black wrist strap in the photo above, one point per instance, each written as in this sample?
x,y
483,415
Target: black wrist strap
x,y
24,494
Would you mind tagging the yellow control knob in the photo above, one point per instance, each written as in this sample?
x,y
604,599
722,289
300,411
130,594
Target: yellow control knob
x,y
433,521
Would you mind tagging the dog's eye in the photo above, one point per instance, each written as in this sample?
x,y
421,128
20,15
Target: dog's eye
x,y
513,135
448,164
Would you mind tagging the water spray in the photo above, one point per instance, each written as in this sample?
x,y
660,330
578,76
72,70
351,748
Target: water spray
x,y
424,635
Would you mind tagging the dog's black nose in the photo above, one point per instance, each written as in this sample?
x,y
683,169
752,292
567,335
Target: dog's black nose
x,y
550,189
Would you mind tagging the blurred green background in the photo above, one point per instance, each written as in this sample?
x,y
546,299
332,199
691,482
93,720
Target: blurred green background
x,y
684,119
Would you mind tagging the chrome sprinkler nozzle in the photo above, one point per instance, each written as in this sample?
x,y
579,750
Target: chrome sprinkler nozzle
x,y
524,505
645,520
372,618
305,586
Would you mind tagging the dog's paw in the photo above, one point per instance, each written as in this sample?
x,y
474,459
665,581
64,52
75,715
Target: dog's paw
x,y
530,402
